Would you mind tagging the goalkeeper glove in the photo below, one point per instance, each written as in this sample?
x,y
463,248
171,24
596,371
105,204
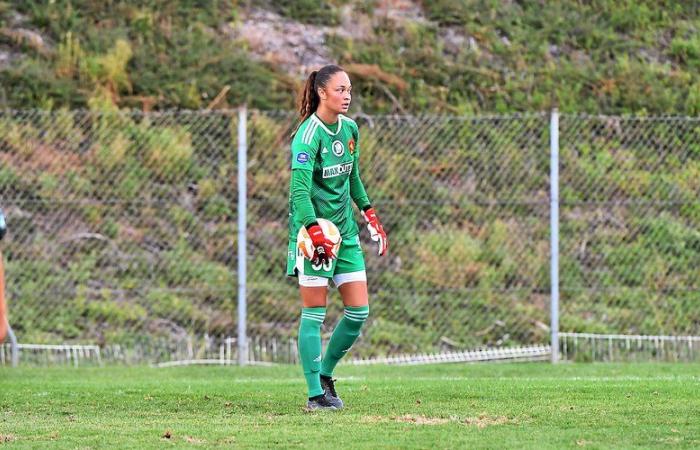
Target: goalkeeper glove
x,y
376,230
323,247
3,225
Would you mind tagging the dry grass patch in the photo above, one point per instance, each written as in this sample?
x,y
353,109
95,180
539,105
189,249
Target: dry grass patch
x,y
484,420
481,421
194,440
7,438
373,419
421,420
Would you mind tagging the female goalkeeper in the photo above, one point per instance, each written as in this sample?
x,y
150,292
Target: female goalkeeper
x,y
325,181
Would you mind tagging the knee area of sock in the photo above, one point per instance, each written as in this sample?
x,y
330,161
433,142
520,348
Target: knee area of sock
x,y
356,314
313,316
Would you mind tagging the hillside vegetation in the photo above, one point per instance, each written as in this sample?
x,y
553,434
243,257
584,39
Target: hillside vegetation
x,y
450,56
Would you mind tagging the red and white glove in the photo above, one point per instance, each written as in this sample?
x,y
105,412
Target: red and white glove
x,y
323,247
376,230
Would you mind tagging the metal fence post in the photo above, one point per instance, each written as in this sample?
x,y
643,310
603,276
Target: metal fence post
x,y
554,230
242,242
13,345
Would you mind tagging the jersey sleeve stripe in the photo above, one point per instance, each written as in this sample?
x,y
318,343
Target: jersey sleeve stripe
x,y
309,133
313,133
306,133
306,130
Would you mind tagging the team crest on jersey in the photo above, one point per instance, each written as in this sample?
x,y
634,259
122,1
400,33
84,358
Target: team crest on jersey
x,y
351,146
338,148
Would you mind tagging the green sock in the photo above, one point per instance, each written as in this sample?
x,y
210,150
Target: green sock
x,y
310,347
344,335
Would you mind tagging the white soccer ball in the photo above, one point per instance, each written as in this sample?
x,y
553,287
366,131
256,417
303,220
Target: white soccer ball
x,y
306,247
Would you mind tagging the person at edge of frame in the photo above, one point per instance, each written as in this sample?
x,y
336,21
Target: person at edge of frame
x,y
325,180
3,308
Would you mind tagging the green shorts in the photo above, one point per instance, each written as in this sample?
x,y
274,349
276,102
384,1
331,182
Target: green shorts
x,y
350,259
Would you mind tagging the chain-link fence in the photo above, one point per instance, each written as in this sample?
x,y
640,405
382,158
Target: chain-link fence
x,y
123,231
630,238
465,204
120,227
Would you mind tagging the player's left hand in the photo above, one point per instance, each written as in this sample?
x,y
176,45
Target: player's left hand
x,y
376,230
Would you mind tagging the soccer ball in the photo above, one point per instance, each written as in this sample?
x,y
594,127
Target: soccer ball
x,y
306,247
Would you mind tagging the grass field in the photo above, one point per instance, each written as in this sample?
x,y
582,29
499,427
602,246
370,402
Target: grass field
x,y
532,405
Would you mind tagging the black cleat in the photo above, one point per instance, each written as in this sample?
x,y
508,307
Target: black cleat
x,y
321,402
328,385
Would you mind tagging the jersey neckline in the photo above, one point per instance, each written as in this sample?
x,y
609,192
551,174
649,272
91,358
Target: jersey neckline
x,y
320,123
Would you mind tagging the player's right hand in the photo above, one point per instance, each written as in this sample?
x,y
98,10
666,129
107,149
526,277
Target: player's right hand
x,y
3,225
323,247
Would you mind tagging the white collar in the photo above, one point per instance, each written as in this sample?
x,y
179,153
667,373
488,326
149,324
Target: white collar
x,y
323,125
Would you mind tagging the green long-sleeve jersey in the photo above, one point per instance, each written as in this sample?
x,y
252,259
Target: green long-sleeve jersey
x,y
325,175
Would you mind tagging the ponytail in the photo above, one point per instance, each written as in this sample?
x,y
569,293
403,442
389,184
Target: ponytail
x,y
309,99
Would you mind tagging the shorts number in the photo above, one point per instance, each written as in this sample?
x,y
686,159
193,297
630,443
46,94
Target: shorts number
x,y
326,266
